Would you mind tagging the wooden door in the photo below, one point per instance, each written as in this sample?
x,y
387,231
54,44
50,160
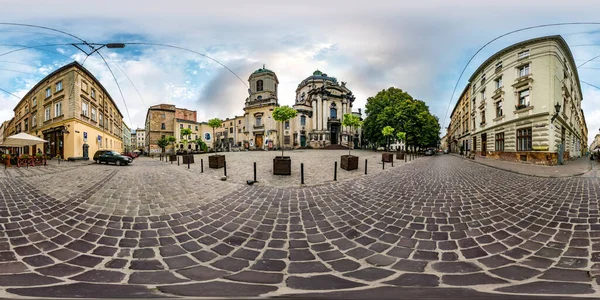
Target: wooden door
x,y
259,142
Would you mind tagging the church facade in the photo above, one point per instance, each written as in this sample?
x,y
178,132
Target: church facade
x,y
321,102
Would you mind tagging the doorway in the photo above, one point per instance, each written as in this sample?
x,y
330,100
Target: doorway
x,y
335,128
484,144
259,141
302,141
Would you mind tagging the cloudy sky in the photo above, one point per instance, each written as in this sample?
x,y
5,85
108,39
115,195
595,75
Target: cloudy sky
x,y
418,46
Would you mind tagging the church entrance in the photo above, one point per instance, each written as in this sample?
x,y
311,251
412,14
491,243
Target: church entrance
x,y
335,128
259,141
302,141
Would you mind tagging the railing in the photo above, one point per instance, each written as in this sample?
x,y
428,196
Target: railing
x,y
521,106
259,126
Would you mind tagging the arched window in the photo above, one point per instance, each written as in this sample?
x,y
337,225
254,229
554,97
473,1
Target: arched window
x,y
333,111
259,85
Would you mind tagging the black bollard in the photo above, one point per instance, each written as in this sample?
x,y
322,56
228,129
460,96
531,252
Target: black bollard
x,y
254,171
301,172
404,157
365,166
225,168
335,171
178,160
201,165
392,161
189,162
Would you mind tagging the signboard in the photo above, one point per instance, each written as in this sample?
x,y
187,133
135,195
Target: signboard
x,y
207,136
99,138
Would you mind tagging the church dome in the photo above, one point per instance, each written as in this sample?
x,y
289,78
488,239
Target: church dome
x,y
317,73
263,70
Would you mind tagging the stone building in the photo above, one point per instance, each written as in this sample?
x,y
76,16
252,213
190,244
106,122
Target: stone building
x,y
515,95
460,126
126,138
161,121
139,139
70,108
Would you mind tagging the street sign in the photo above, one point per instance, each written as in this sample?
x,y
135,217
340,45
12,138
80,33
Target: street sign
x,y
99,138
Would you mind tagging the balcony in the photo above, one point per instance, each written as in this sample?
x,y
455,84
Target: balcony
x,y
521,106
262,126
333,120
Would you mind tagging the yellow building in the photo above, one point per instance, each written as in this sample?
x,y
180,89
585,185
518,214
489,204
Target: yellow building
x,y
71,109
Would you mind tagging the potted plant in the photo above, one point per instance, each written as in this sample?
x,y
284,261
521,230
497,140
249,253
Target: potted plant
x,y
186,132
282,165
215,161
402,138
350,162
387,132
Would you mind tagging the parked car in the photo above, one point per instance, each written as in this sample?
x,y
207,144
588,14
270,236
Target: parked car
x,y
130,154
445,151
429,152
109,156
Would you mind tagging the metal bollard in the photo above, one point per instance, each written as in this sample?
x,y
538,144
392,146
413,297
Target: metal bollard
x,y
404,157
188,162
365,166
201,165
254,171
178,160
392,161
225,168
383,164
301,173
335,171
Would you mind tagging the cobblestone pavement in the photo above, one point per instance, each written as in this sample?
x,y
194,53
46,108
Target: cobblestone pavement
x,y
440,225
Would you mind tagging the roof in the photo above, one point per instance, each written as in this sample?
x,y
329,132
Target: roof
x,y
263,70
557,38
318,75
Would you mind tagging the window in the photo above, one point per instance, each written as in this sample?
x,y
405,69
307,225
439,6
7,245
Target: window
x,y
258,121
102,119
239,130
482,117
47,113
333,111
180,126
523,98
33,121
196,127
524,139
162,126
34,102
163,116
524,70
287,125
100,142
230,129
483,79
482,94
500,141
303,120
58,109
499,112
58,86
26,125
498,82
523,54
48,93
189,126
239,122
259,86
499,66
83,86
84,108
93,93
93,114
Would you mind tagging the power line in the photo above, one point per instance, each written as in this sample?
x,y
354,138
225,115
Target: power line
x,y
118,86
499,37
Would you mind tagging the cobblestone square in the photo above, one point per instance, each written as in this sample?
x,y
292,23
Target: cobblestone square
x,y
434,225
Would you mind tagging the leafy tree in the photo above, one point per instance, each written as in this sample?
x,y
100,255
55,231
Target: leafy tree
x,y
387,131
201,144
162,143
282,114
401,136
351,121
185,133
396,107
214,123
171,139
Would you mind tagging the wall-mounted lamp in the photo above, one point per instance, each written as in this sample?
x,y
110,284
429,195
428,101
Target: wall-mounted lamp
x,y
65,130
557,108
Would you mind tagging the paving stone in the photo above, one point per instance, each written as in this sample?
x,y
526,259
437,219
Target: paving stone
x,y
344,265
412,279
26,279
471,279
87,290
38,260
307,267
257,277
100,276
370,274
154,277
217,289
410,265
201,273
230,264
320,282
455,267
179,262
269,265
150,264
566,275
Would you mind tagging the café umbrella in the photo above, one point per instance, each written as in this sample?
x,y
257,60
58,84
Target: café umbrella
x,y
21,140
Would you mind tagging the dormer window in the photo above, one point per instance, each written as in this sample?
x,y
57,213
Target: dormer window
x,y
259,86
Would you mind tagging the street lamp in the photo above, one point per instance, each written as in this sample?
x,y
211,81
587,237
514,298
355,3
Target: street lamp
x,y
557,108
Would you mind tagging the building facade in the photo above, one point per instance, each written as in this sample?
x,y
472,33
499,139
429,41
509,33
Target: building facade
x,y
161,121
140,139
514,99
70,108
126,138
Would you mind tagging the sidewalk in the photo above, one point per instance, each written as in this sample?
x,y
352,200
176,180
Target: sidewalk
x,y
581,166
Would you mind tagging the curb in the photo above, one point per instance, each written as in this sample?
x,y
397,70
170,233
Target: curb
x,y
526,174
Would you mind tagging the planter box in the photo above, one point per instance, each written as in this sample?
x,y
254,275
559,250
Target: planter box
x,y
216,161
387,157
188,157
282,165
400,155
349,162
173,157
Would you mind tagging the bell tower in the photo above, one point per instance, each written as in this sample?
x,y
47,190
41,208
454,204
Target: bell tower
x,y
263,87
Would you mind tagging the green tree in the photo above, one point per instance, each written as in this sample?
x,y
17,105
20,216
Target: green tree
x,y
353,122
201,144
401,137
185,133
282,114
396,107
171,139
162,143
387,131
214,123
